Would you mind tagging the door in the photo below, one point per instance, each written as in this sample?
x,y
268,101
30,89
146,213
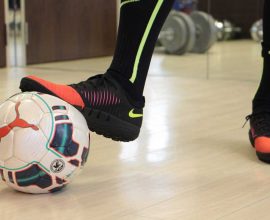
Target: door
x,y
69,29
2,36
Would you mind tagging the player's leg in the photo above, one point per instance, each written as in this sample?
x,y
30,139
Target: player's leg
x,y
113,103
260,119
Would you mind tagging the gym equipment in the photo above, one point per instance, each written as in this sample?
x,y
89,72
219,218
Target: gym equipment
x,y
205,31
184,33
226,30
256,31
178,33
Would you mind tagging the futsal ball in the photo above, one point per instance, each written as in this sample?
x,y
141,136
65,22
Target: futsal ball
x,y
44,143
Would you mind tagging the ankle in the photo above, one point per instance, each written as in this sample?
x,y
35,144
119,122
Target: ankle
x,y
260,105
132,93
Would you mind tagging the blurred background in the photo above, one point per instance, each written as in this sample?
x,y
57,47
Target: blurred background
x,y
218,35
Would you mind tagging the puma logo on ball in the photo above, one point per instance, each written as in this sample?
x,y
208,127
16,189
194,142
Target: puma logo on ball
x,y
18,122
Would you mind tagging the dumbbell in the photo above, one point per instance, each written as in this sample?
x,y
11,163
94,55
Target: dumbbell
x,y
178,33
205,31
256,31
184,33
226,30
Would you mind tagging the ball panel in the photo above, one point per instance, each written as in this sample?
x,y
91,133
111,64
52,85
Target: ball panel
x,y
57,189
2,175
10,177
63,142
77,119
20,96
33,175
82,136
84,156
74,162
29,145
5,109
6,146
30,112
46,125
14,163
41,102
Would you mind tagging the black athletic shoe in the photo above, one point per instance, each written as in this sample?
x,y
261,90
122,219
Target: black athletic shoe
x,y
107,108
259,134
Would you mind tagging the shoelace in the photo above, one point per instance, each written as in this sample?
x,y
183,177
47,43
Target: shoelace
x,y
247,119
261,122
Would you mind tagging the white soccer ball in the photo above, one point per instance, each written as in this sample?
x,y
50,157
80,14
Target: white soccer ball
x,y
44,142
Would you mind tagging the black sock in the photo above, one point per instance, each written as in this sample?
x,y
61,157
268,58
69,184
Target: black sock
x,y
261,100
140,24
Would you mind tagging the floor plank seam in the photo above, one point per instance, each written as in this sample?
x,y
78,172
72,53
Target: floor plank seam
x,y
244,207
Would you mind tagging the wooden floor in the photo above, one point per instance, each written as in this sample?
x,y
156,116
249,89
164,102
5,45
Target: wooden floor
x,y
192,160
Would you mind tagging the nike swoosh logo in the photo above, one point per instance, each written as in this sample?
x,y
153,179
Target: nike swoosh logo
x,y
134,115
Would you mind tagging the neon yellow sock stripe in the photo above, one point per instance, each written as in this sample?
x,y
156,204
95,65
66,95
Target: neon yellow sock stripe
x,y
145,36
127,2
